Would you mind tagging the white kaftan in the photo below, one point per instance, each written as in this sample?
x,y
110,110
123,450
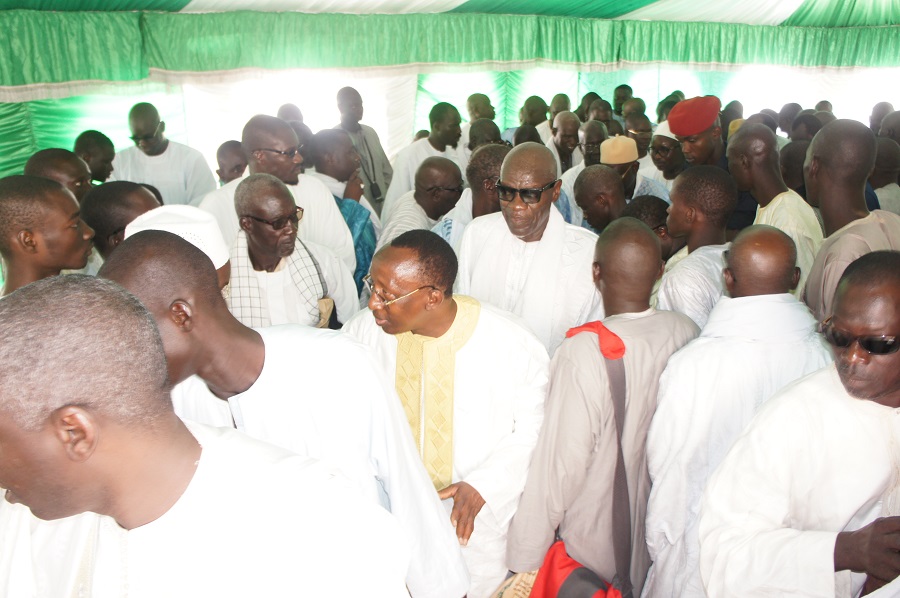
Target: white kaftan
x,y
499,385
305,401
548,283
255,520
694,284
406,164
322,222
180,173
813,462
577,157
756,346
889,197
406,215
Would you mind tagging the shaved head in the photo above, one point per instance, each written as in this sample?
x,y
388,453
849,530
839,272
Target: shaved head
x,y
261,130
566,117
846,150
290,112
261,137
62,166
753,156
627,262
879,111
143,111
533,157
433,167
479,106
83,342
482,132
600,193
109,208
24,201
791,157
762,260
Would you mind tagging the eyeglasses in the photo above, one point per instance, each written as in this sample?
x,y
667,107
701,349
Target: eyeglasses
x,y
367,280
290,153
873,345
138,138
458,189
590,147
662,150
529,196
280,223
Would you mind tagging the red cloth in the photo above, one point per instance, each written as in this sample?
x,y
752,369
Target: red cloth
x,y
557,567
694,116
611,345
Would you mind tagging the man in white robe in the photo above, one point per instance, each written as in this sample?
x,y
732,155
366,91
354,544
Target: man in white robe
x,y
277,278
479,199
441,142
179,172
472,382
438,187
702,199
374,169
592,134
757,341
478,106
753,162
792,509
271,147
559,103
838,162
125,499
571,488
564,142
269,383
526,259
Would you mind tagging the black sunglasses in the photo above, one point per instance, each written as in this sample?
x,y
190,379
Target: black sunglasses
x,y
280,223
529,196
874,345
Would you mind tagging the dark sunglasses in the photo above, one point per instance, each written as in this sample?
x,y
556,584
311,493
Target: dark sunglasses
x,y
529,196
280,223
138,138
874,345
290,153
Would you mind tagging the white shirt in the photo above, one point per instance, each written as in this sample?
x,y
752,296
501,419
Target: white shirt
x,y
406,215
499,387
789,213
889,197
694,284
406,164
813,462
544,130
255,520
180,173
568,187
361,429
756,346
548,283
577,157
454,222
322,222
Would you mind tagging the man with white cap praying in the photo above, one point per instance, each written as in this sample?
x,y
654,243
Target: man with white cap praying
x,y
288,385
620,153
527,259
195,226
666,156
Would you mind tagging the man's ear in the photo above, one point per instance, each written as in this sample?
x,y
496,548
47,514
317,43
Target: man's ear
x,y
728,275
27,241
795,278
557,189
245,223
662,269
595,271
690,214
76,430
182,315
162,127
435,298
114,239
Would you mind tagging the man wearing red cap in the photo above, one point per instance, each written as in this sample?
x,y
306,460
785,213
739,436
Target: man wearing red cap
x,y
695,123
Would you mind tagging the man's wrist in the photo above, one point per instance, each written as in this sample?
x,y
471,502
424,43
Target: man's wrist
x,y
846,552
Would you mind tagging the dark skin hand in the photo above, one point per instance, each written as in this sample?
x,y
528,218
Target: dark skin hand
x,y
467,503
354,188
873,549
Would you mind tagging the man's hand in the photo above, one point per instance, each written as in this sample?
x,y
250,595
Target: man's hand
x,y
354,188
873,549
467,504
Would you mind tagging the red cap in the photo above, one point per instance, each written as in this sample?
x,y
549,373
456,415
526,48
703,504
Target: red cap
x,y
693,116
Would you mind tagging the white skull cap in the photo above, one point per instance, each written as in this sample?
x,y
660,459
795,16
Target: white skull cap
x,y
196,226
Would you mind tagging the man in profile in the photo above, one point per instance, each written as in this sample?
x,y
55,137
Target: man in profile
x,y
111,207
41,231
179,172
97,150
120,497
62,166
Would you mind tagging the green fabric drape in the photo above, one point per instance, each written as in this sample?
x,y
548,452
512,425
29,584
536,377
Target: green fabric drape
x,y
594,9
47,47
844,13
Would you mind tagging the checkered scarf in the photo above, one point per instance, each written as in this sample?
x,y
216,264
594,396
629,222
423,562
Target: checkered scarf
x,y
245,302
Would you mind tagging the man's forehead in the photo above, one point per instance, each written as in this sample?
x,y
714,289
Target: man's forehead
x,y
873,306
274,199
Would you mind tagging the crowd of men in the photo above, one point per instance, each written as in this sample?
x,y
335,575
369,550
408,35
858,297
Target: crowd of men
x,y
602,351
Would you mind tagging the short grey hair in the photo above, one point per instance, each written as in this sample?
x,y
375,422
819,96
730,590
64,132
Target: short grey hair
x,y
255,186
82,341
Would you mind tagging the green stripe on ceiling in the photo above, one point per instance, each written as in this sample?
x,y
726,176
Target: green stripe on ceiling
x,y
94,5
54,47
595,9
846,13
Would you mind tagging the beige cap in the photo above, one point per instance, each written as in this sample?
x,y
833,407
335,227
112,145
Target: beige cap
x,y
618,150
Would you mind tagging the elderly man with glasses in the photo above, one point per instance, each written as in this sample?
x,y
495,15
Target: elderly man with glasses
x,y
472,382
276,278
805,502
527,259
272,147
179,172
439,185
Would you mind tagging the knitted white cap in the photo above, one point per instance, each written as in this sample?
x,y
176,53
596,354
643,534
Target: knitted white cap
x,y
196,226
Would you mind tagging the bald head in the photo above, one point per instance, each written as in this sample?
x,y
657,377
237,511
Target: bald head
x,y
564,118
261,130
82,342
534,111
753,156
261,137
559,103
479,106
879,111
791,157
845,150
600,193
62,166
526,133
890,126
434,168
143,111
109,208
762,260
530,157
482,132
290,112
627,262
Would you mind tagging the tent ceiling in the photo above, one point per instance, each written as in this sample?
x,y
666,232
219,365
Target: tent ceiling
x,y
815,13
